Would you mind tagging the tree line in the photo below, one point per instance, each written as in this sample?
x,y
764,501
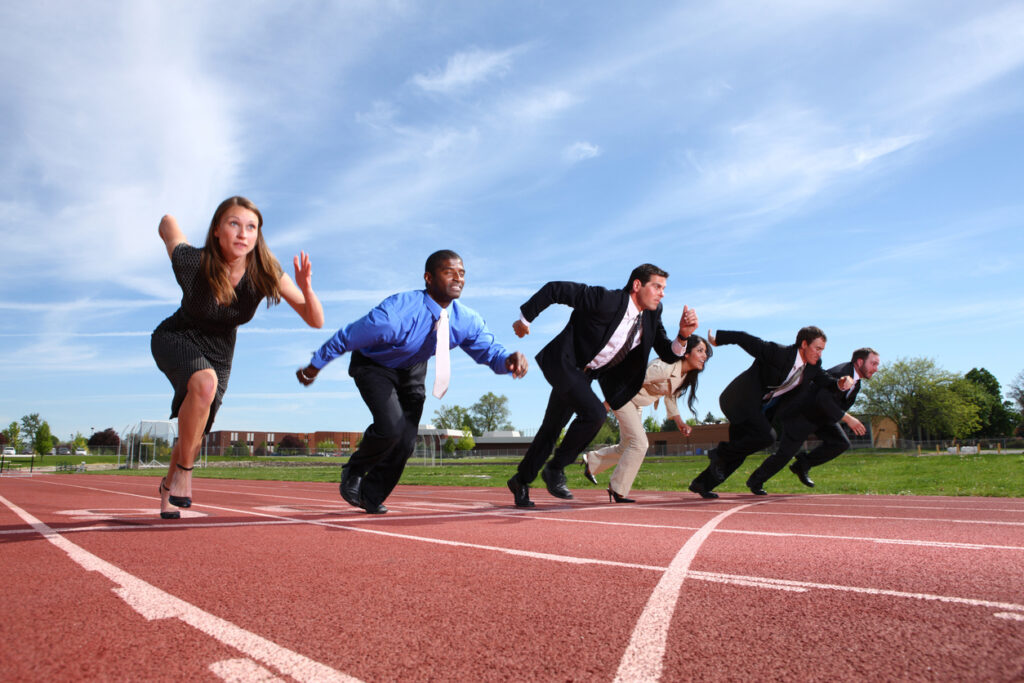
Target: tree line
x,y
928,403
33,435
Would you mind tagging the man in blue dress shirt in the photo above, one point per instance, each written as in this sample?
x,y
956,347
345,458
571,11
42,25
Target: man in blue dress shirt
x,y
390,347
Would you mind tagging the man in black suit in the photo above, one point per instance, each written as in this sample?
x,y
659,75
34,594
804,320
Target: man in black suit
x,y
609,338
778,375
820,412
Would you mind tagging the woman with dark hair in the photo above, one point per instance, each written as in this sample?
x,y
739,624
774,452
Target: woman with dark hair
x,y
222,285
668,380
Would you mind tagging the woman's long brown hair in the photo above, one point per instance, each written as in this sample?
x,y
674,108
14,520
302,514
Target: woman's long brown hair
x,y
260,265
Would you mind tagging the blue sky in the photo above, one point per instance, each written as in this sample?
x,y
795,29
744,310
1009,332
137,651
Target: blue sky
x,y
854,165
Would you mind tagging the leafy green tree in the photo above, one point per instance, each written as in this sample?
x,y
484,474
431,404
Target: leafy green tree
x,y
669,425
1016,392
13,432
261,448
710,419
290,444
922,399
466,442
79,441
43,440
326,447
490,413
651,425
998,418
30,425
453,417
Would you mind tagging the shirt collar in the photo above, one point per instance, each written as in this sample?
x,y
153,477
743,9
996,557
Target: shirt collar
x,y
632,311
433,306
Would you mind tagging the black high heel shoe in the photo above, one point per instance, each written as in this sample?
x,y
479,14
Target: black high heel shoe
x,y
614,497
181,501
174,514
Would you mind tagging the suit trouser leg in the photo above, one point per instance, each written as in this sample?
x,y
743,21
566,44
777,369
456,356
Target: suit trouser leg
x,y
794,432
576,398
833,442
395,398
633,436
746,437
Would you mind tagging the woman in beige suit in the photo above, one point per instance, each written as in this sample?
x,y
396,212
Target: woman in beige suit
x,y
663,380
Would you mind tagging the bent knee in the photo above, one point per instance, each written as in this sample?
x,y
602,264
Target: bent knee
x,y
203,385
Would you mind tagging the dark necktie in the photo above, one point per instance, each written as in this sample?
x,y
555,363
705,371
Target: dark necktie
x,y
792,380
628,346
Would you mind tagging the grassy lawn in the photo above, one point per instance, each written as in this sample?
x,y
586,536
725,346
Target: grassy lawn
x,y
855,472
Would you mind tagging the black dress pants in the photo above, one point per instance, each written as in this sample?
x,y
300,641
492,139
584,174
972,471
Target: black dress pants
x,y
577,398
395,398
795,431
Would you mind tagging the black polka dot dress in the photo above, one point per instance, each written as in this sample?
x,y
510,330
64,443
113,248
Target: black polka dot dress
x,y
201,334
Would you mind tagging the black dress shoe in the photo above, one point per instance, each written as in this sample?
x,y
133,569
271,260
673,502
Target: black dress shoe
x,y
699,489
555,481
586,471
755,488
614,497
372,509
349,487
801,473
521,492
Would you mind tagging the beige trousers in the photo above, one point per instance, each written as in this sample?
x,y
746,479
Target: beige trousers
x,y
625,456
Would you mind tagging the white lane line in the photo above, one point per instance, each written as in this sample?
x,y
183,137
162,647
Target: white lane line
x,y
153,603
894,519
645,653
763,582
242,671
1013,616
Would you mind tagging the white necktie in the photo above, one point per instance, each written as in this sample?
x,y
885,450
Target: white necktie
x,y
442,359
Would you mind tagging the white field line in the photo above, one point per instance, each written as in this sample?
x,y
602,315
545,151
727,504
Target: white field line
x,y
153,603
642,660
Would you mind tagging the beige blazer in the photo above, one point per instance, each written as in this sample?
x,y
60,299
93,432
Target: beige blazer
x,y
662,380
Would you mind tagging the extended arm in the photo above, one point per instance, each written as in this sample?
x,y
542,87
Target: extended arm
x,y
299,294
170,233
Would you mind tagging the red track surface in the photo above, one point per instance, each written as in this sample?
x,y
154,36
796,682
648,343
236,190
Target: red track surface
x,y
283,581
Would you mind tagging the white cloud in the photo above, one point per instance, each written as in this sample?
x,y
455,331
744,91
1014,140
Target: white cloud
x,y
465,69
580,151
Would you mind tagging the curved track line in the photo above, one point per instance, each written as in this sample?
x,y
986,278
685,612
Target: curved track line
x,y
153,603
642,660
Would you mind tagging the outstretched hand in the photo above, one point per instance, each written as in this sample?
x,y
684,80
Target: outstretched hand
x,y
303,271
711,338
687,322
306,375
517,364
845,383
520,328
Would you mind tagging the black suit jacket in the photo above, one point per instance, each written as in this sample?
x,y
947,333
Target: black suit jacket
x,y
743,397
596,313
828,403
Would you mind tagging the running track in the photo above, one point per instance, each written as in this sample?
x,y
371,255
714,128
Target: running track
x,y
267,581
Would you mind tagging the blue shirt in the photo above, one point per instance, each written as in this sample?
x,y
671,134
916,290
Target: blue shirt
x,y
401,332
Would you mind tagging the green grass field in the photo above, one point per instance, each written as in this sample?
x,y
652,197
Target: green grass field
x,y
855,472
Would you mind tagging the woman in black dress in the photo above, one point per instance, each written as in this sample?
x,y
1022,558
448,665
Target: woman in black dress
x,y
222,284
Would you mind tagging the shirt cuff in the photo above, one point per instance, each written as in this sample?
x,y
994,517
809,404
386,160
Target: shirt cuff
x,y
678,347
525,321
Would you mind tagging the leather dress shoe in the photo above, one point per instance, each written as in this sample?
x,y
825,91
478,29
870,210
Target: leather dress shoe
x,y
699,489
372,509
521,492
801,473
586,471
756,488
349,487
555,481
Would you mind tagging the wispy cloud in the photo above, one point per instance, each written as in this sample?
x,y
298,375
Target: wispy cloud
x,y
467,68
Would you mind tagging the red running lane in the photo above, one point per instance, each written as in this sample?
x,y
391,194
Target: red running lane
x,y
283,580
